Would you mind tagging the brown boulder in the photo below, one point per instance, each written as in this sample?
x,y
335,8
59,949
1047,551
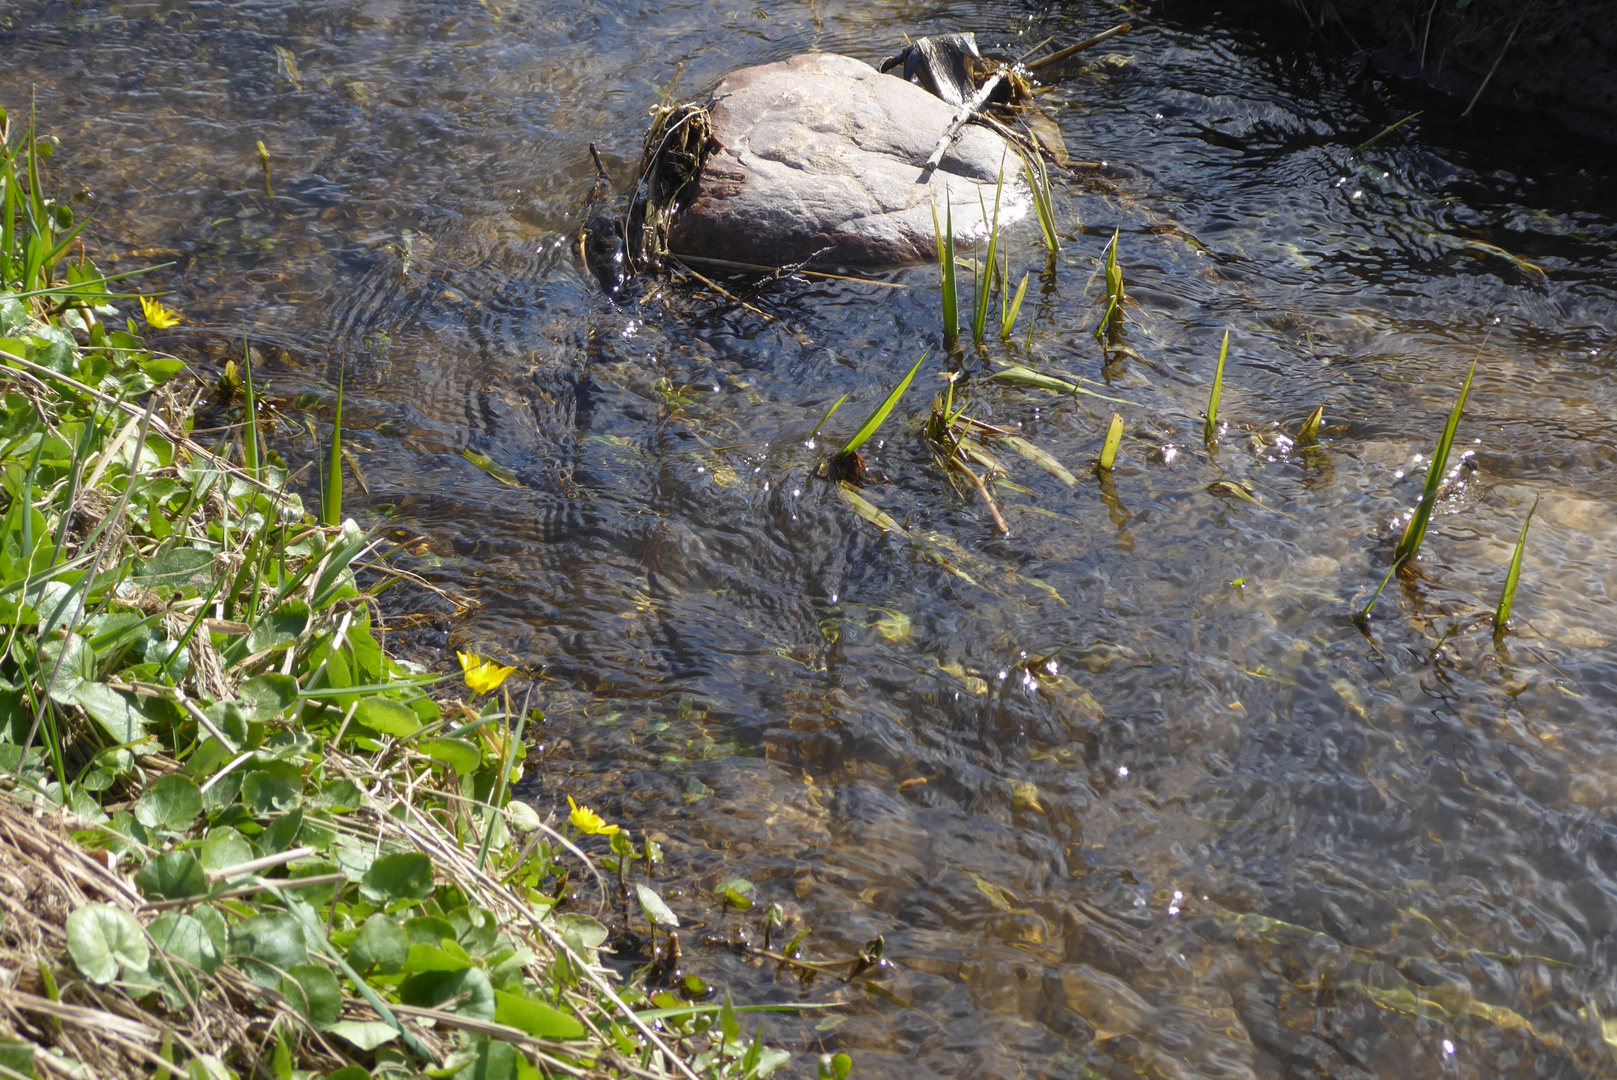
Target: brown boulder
x,y
823,152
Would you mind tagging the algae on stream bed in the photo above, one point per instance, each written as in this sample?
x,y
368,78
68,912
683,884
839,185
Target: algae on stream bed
x,y
1137,796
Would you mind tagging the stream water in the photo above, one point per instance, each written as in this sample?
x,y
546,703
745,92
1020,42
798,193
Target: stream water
x,y
1125,791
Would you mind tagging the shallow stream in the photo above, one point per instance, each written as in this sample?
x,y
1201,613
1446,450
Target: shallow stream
x,y
1125,791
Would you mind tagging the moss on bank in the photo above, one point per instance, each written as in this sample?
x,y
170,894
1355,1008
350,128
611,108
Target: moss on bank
x,y
237,836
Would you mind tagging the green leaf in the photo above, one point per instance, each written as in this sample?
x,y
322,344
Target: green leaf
x,y
225,847
279,629
535,1017
428,930
1415,532
174,875
387,716
357,1072
172,802
185,938
379,944
76,667
1501,615
269,945
434,958
180,568
406,876
117,714
493,468
316,986
18,1056
331,504
582,934
875,420
466,991
102,938
268,696
365,1034
282,832
1026,376
1114,439
656,910
459,754
1210,428
273,786
354,1072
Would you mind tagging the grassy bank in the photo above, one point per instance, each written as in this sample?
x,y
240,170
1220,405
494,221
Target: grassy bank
x,y
237,837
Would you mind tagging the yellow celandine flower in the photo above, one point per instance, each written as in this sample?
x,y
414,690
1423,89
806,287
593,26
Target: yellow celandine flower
x,y
483,676
588,822
158,317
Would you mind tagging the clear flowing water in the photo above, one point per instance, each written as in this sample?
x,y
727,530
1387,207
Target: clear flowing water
x,y
1133,796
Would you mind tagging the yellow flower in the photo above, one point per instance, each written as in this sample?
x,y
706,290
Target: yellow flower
x,y
483,676
158,317
588,821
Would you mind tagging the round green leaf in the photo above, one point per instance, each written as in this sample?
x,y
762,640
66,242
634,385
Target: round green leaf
x,y
321,997
172,802
173,875
185,939
466,991
356,1072
387,716
268,696
380,944
102,938
406,876
269,945
365,1034
225,847
459,754
535,1017
656,910
273,786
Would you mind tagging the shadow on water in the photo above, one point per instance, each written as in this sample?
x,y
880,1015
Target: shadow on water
x,y
1132,796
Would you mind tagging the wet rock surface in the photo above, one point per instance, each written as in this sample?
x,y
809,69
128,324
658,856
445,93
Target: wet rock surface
x,y
821,155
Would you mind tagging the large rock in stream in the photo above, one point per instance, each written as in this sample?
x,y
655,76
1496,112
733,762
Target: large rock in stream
x,y
823,154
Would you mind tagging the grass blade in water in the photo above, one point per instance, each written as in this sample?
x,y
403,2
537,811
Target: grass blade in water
x,y
835,405
951,295
1026,376
1009,312
1042,459
1501,615
1211,429
875,420
985,277
331,507
1114,439
249,431
1309,435
1043,202
1415,532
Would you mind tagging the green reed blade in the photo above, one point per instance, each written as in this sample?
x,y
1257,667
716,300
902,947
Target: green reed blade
x,y
1309,435
1008,313
1501,615
331,505
1114,439
1415,532
1388,130
985,277
1211,428
951,295
249,431
835,405
868,428
1114,275
1043,202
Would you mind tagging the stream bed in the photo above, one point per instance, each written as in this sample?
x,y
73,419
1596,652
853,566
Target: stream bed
x,y
1124,791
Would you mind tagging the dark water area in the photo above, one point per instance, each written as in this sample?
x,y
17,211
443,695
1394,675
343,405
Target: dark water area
x,y
1125,791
